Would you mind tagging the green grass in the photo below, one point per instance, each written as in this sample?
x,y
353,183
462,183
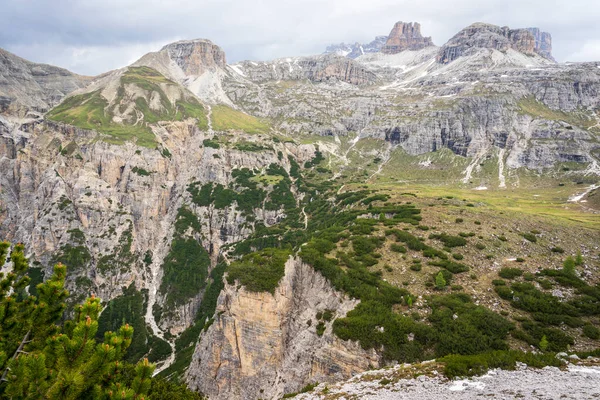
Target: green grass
x,y
268,179
531,106
225,118
92,111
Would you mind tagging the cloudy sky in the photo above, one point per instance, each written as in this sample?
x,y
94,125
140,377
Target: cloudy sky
x,y
93,36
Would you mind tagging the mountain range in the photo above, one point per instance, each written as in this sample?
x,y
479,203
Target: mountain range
x,y
244,217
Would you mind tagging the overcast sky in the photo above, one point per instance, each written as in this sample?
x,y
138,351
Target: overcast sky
x,y
94,36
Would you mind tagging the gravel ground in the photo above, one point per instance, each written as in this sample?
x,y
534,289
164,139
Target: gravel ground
x,y
575,382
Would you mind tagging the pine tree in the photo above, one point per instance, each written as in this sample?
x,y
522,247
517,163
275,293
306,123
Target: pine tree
x,y
42,360
543,343
440,281
569,266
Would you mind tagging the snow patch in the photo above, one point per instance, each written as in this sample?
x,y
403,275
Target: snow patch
x,y
238,69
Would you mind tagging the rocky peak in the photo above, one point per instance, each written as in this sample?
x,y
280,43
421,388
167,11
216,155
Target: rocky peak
x,y
195,56
405,36
543,43
357,49
488,36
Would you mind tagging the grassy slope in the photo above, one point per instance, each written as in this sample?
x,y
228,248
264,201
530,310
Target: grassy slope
x,y
225,118
92,111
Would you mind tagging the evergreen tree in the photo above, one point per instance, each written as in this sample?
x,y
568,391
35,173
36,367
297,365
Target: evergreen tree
x,y
543,343
440,281
569,266
42,360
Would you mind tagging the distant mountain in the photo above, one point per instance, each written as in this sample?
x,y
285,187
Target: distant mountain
x,y
30,89
356,50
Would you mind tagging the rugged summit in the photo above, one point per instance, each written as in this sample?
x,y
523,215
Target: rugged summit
x,y
30,87
405,36
199,65
488,36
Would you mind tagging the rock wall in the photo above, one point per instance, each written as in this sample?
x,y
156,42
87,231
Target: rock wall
x,y
543,43
405,36
263,346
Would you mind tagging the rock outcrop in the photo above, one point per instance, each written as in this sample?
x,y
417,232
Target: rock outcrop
x,y
405,36
194,57
30,87
488,36
263,346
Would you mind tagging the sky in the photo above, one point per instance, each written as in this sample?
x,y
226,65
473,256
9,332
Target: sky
x,y
94,36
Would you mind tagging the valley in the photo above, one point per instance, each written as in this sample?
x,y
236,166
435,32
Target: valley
x,y
266,226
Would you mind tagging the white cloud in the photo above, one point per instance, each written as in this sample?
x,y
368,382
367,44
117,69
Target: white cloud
x,y
94,36
589,51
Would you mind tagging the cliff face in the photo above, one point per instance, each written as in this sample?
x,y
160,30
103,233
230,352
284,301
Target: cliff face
x,y
194,57
405,36
543,43
263,346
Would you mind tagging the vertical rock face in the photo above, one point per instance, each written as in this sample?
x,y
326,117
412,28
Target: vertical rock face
x,y
527,41
195,56
405,36
543,43
263,346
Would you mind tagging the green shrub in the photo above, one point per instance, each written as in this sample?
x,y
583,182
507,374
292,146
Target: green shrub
x,y
510,273
591,331
260,271
530,237
211,143
449,240
470,365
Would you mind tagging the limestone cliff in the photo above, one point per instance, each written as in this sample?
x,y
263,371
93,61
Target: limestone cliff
x,y
405,36
263,346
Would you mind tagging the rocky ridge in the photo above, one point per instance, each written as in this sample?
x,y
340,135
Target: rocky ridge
x,y
526,41
29,89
